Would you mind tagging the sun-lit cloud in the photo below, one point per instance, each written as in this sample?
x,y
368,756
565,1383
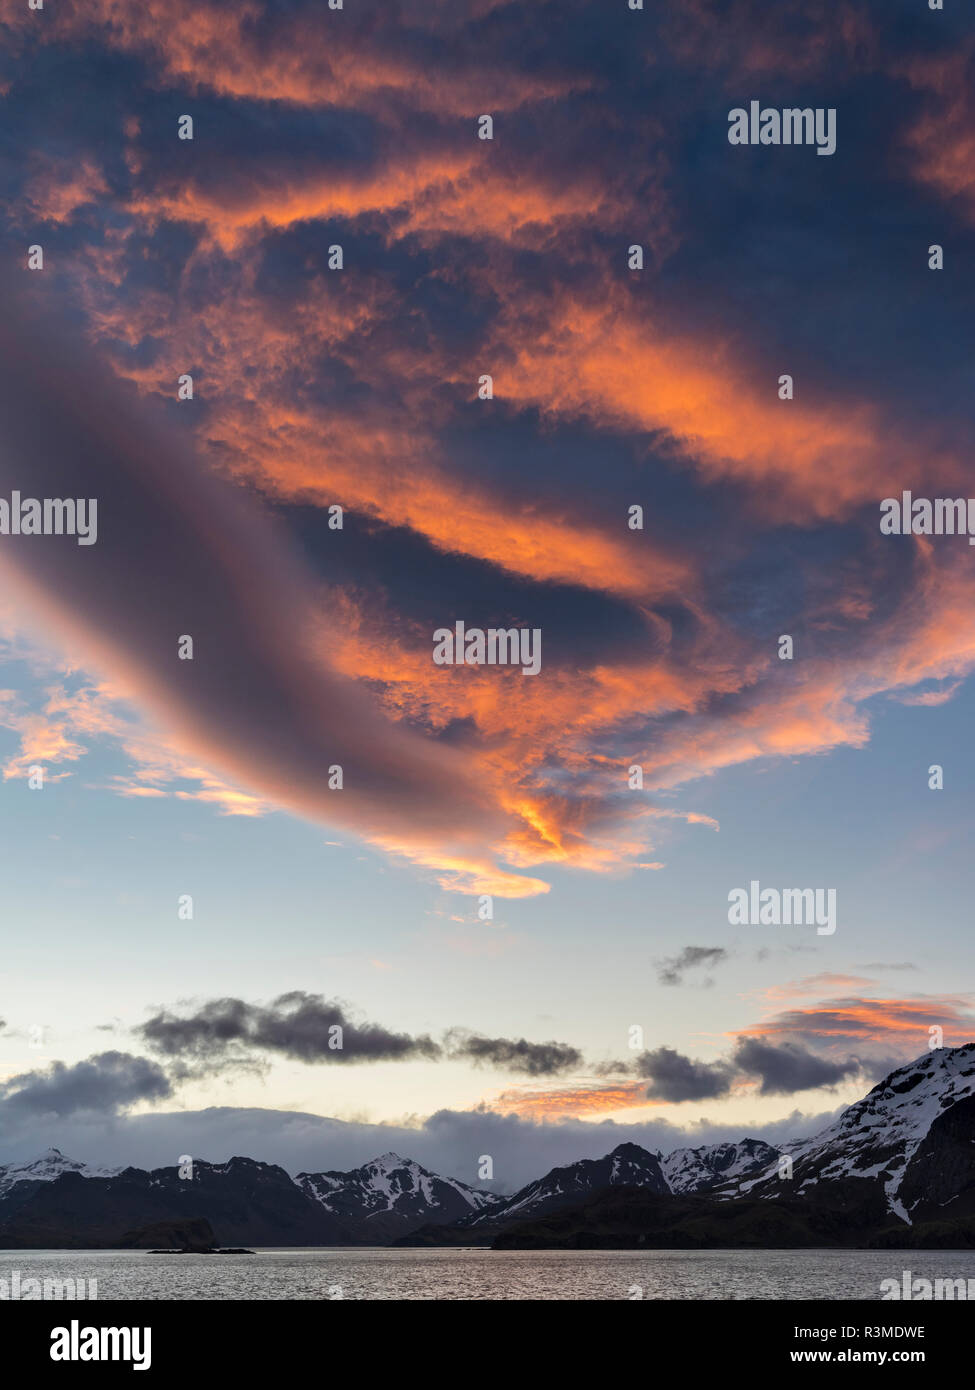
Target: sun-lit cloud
x,y
885,1026
358,388
581,1099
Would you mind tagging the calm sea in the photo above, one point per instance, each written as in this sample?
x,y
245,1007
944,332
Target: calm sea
x,y
481,1274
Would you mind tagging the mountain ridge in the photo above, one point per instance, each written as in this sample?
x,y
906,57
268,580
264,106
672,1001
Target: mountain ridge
x,y
903,1153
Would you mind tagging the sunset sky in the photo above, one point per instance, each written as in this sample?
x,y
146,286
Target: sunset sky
x,y
316,388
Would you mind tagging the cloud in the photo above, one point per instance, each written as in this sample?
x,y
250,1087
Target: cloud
x,y
581,1100
673,970
786,1068
254,701
106,1083
448,1141
317,58
821,1046
676,1078
825,982
358,388
44,740
880,1028
931,697
306,1027
513,1054
228,1033
882,965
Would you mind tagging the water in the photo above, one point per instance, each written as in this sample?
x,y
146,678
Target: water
x,y
488,1275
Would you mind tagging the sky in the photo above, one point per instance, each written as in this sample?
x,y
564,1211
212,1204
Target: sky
x,y
525,955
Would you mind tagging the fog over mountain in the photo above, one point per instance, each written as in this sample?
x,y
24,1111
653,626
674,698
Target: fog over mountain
x,y
446,1142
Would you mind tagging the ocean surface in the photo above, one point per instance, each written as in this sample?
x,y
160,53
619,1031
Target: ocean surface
x,y
486,1275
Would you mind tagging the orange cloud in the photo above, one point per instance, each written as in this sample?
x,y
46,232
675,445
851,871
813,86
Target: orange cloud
x,y
59,188
548,758
815,984
605,361
582,1099
888,1025
941,143
321,57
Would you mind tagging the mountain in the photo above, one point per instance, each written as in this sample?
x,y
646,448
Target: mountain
x,y
54,1202
246,1202
695,1170
849,1214
628,1165
895,1137
391,1196
895,1171
45,1168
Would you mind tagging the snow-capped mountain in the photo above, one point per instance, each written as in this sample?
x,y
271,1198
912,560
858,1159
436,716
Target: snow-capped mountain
x,y
627,1166
45,1168
905,1117
902,1157
391,1195
896,1170
53,1201
695,1170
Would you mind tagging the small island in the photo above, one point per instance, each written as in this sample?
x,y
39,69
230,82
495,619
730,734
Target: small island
x,y
190,1237
203,1250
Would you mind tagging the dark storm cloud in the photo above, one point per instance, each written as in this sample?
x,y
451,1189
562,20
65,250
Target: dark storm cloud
x,y
673,970
780,1068
786,1068
674,1077
107,1082
513,1054
224,1032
